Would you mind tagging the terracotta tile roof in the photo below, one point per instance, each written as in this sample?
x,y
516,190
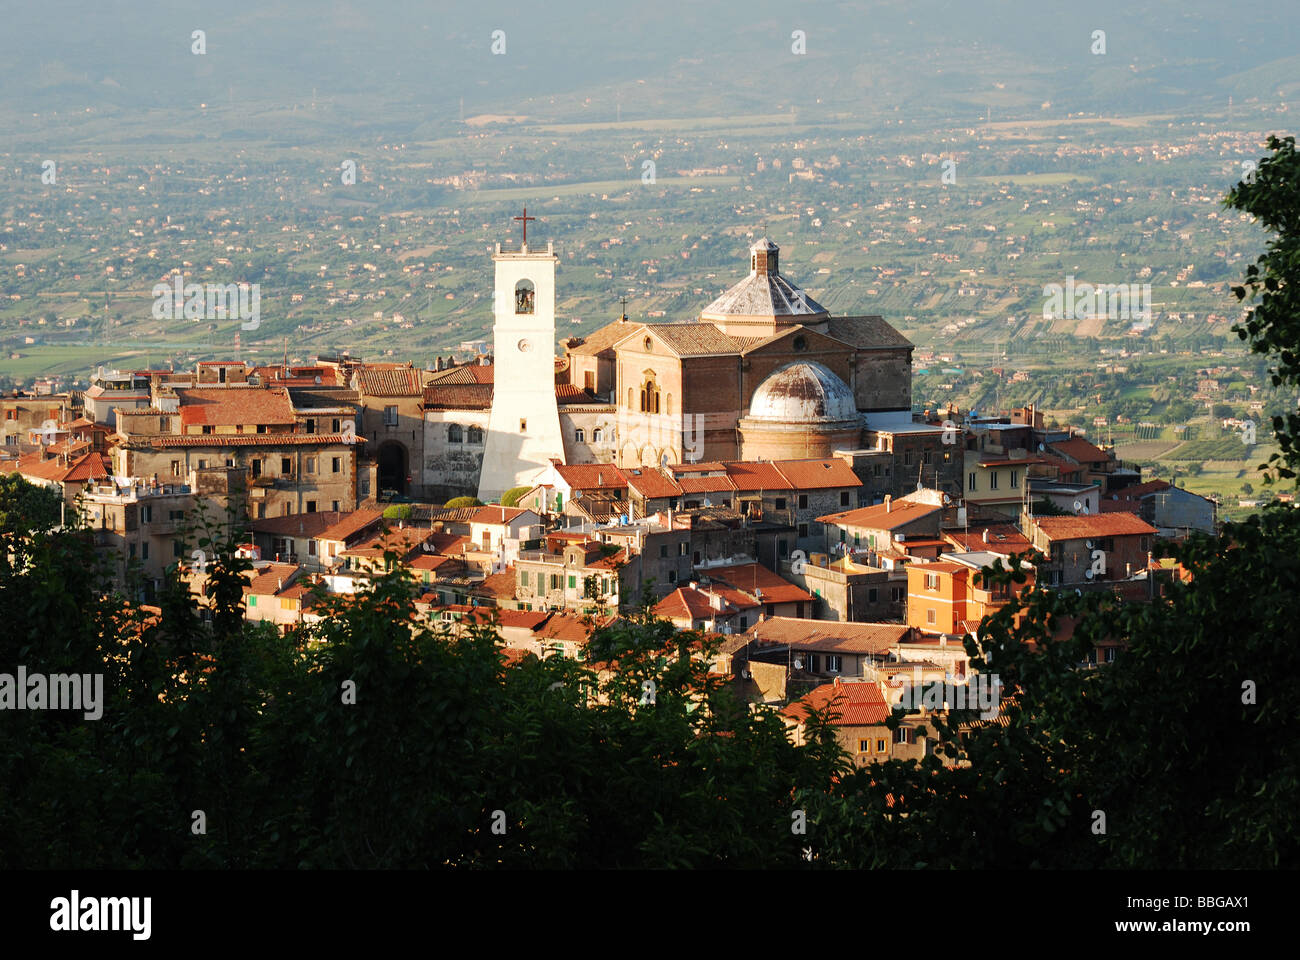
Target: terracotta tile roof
x,y
1094,525
399,540
1078,450
900,513
228,406
751,576
458,396
685,603
92,466
651,483
269,580
855,704
466,373
498,515
600,341
749,476
706,484
528,619
565,626
592,476
1003,538
687,339
500,585
689,469
350,524
866,332
298,376
450,544
569,393
298,524
610,562
1139,490
389,382
817,474
830,636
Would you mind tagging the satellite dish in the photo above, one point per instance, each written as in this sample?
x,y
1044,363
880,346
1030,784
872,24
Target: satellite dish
x,y
1088,573
1040,448
1077,506
946,499
798,663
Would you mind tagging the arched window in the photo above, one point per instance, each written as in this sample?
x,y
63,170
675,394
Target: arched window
x,y
454,433
650,395
629,398
579,435
474,435
525,296
597,436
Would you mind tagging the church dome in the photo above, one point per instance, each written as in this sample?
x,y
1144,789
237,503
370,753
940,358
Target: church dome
x,y
804,391
765,293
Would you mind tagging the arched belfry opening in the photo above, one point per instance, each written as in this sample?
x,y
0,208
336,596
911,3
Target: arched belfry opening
x,y
525,297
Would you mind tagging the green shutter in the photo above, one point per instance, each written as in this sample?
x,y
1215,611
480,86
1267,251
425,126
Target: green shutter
x,y
573,581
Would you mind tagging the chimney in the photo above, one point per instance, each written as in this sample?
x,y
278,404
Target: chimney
x,y
986,534
279,584
888,503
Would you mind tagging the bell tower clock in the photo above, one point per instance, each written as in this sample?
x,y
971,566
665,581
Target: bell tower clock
x,y
524,425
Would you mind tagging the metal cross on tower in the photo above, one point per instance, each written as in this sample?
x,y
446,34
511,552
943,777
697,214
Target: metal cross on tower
x,y
525,218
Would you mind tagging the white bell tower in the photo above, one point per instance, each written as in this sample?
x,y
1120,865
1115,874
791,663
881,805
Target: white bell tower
x,y
524,427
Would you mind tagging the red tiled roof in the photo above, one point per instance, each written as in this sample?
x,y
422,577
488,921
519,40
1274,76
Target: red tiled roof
x,y
1139,490
817,474
228,406
899,513
389,382
351,524
399,540
706,484
564,626
92,466
270,579
851,704
686,603
492,514
754,576
450,544
829,636
651,482
500,585
1093,525
1003,538
592,476
610,562
458,396
748,476
1079,450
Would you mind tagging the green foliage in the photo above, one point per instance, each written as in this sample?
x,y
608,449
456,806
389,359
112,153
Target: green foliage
x,y
398,511
1273,325
511,497
464,502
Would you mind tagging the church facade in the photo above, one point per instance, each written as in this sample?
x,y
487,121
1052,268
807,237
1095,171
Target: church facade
x,y
764,373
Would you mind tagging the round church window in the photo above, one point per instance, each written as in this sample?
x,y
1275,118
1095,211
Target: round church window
x,y
801,342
